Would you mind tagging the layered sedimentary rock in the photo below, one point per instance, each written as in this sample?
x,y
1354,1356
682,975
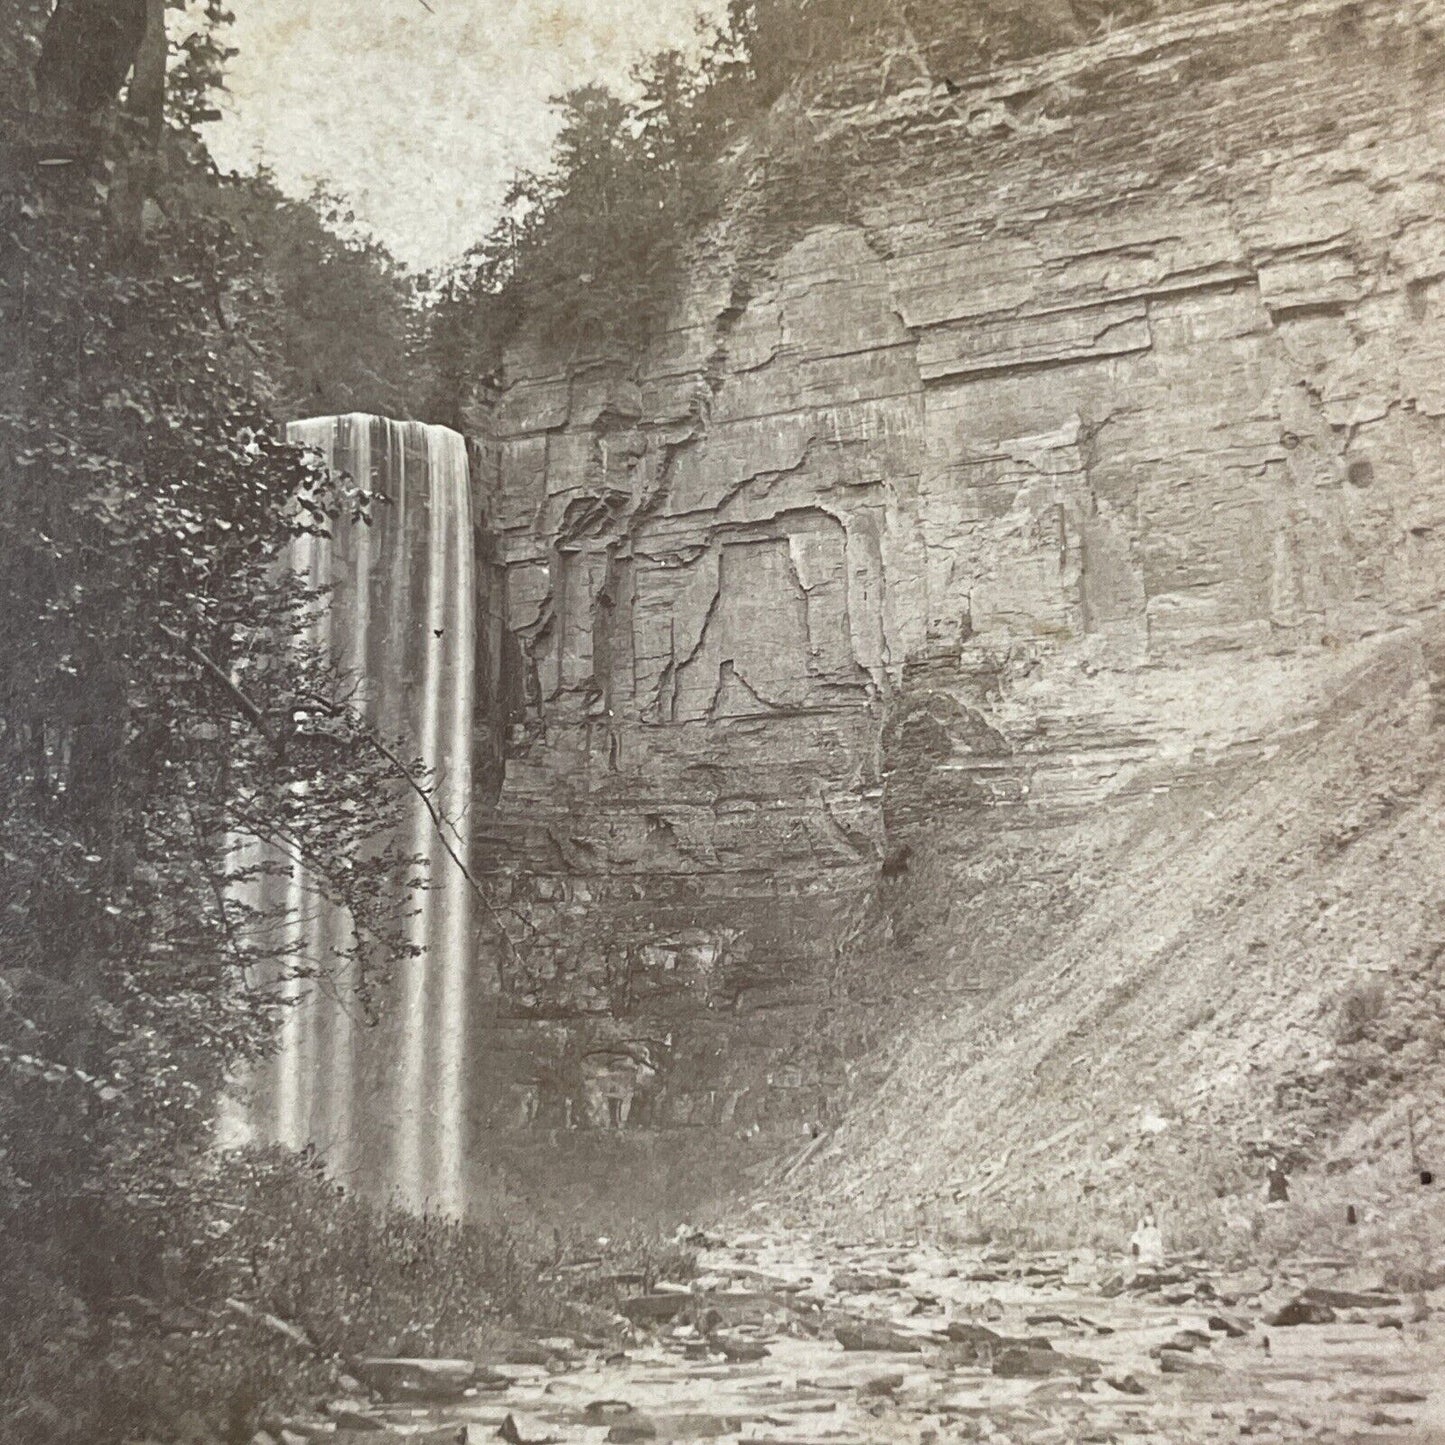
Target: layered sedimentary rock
x,y
960,469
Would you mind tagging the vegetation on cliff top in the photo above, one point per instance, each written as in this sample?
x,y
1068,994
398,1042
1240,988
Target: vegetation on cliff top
x,y
588,253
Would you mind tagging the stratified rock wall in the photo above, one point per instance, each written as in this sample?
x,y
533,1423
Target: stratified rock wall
x,y
962,467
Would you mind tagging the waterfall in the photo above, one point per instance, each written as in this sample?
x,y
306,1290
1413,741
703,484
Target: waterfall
x,y
387,1107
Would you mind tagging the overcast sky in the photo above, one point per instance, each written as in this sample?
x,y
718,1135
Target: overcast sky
x,y
421,119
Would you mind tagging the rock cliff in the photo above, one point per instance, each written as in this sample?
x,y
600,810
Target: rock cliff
x,y
1024,447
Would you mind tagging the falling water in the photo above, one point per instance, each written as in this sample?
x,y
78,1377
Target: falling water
x,y
386,1107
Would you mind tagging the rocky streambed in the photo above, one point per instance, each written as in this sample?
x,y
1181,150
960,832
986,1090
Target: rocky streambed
x,y
797,1342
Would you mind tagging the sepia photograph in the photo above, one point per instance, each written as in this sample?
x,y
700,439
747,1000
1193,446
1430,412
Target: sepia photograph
x,y
722,722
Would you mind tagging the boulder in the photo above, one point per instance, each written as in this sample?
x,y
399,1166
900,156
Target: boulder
x,y
426,1381
870,1336
978,1345
1183,1362
1155,1279
1125,1384
529,1354
598,1412
631,1429
694,1426
882,1385
1229,1325
1302,1312
358,1420
739,1351
654,1308
442,1435
1350,1299
1037,1364
511,1433
355,1424
1388,1396
1188,1341
964,1332
862,1281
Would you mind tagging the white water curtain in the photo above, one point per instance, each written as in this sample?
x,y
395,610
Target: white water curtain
x,y
387,1106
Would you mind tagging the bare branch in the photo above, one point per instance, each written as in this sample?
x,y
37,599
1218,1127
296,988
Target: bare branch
x,y
217,674
440,824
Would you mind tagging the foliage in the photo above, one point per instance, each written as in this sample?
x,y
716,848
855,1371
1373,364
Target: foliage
x,y
589,252
585,252
266,1282
166,728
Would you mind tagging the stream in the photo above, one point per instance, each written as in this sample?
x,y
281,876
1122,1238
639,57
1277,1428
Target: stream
x,y
792,1341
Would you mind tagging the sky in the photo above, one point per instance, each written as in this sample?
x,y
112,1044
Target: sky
x,y
418,117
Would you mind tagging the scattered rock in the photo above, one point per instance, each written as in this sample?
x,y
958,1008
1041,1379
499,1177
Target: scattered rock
x,y
1229,1325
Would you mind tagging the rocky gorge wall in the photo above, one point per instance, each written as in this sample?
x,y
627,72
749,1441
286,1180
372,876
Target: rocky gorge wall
x,y
1016,441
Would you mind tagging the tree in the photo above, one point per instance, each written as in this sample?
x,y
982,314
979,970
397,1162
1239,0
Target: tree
x,y
159,701
90,47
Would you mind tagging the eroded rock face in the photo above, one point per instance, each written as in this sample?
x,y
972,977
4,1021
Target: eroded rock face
x,y
936,515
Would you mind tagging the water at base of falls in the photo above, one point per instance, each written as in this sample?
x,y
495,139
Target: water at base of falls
x,y
386,1107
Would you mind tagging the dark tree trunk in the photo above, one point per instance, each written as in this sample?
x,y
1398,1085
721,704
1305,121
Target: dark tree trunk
x,y
88,50
147,96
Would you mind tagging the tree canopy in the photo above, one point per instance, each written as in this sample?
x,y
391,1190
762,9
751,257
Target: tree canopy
x,y
589,251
